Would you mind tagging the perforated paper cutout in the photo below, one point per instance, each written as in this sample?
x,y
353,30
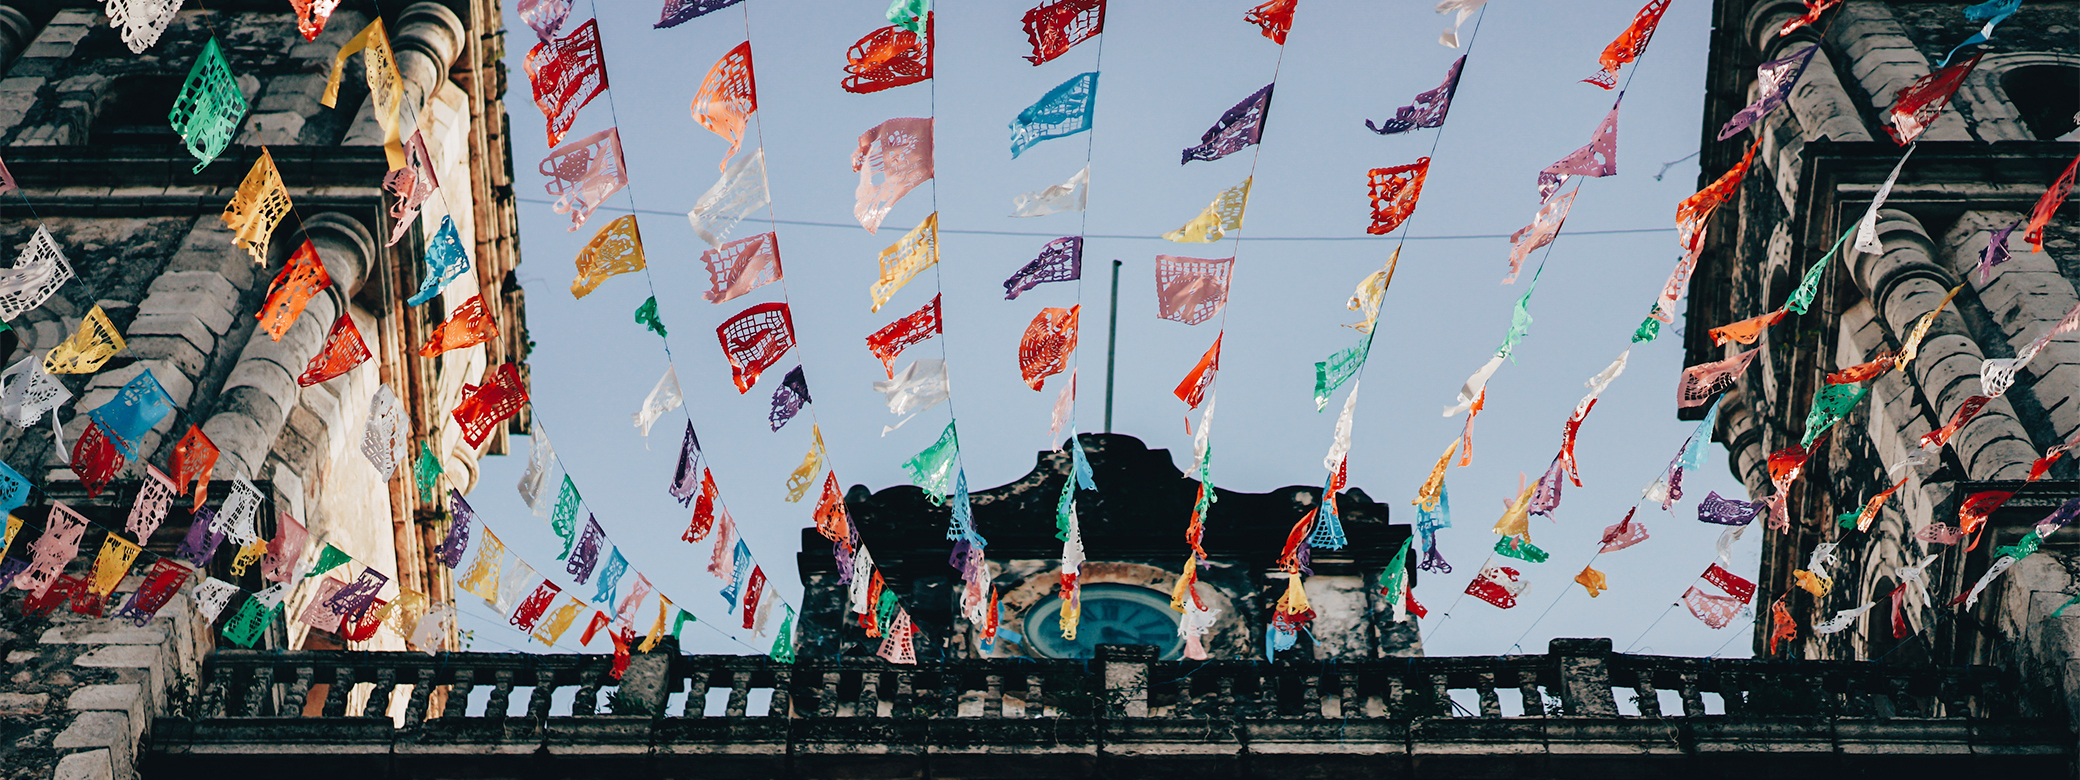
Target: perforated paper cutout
x,y
482,577
1830,404
1427,110
1465,9
903,260
545,16
1629,44
1191,290
410,187
1693,217
1497,585
1274,17
740,193
1814,8
484,406
678,12
804,476
385,86
311,16
919,386
384,441
566,74
1597,158
461,516
1775,79
1918,105
88,348
259,205
1044,349
55,548
446,261
741,266
1238,127
1070,195
1054,26
343,351
1194,387
888,58
933,468
1064,111
1061,260
616,249
1544,227
1223,214
154,496
194,457
37,273
467,326
1746,331
210,106
754,340
141,22
1700,382
728,97
1394,192
1064,406
900,152
2040,216
301,278
584,173
789,398
236,518
914,328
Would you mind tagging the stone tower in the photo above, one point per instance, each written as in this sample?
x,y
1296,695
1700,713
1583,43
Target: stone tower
x,y
1977,170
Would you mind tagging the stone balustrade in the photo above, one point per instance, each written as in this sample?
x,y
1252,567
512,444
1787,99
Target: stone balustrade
x,y
372,713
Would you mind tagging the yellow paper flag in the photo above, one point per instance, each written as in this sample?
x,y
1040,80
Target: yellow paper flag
x,y
259,205
1223,214
804,476
88,349
117,554
615,249
902,260
385,86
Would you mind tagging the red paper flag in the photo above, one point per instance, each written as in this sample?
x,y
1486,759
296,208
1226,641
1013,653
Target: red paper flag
x,y
1748,330
486,405
913,328
194,457
1054,26
1917,105
754,340
1730,582
530,611
751,594
469,325
566,74
1193,389
342,352
1864,371
703,511
888,58
1044,350
2047,206
1814,8
1276,18
95,459
301,278
1964,414
1394,192
831,520
728,97
1629,44
1785,629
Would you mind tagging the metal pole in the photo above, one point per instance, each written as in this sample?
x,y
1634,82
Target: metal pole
x,y
1111,344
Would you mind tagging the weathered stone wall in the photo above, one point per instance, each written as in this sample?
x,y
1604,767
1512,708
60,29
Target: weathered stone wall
x,y
79,694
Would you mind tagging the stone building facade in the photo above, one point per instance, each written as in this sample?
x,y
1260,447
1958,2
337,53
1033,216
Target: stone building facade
x,y
84,131
1133,530
1980,168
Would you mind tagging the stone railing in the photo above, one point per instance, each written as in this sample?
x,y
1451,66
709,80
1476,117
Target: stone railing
x,y
1121,712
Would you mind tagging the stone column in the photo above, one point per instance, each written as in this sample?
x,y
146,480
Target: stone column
x,y
1905,282
2024,297
1585,676
15,33
426,37
261,389
1884,60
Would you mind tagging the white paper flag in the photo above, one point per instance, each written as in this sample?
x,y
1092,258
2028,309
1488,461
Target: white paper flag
x,y
1867,228
1342,445
740,192
663,398
1474,384
541,460
1067,196
919,386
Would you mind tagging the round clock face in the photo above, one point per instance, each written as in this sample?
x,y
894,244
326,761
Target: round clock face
x,y
1112,615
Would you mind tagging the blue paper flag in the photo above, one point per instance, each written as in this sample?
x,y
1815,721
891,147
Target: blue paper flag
x,y
1063,111
445,262
130,415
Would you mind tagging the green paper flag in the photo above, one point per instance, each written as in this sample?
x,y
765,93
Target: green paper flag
x,y
909,14
783,645
564,520
1064,508
1338,369
1520,549
210,106
646,316
1519,320
1848,519
1830,405
1649,329
680,622
250,622
886,611
425,472
328,559
1393,583
2022,548
933,468
1810,285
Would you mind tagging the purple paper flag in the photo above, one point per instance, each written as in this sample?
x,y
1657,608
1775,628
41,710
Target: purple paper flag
x,y
1726,511
1776,77
1239,127
201,544
788,399
1598,158
1427,110
1996,251
1060,261
587,555
686,480
450,551
678,12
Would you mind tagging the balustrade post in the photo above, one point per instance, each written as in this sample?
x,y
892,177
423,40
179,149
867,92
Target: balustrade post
x,y
1527,687
299,690
783,678
1649,699
378,705
1125,671
422,694
258,689
1585,677
646,685
544,688
501,695
458,693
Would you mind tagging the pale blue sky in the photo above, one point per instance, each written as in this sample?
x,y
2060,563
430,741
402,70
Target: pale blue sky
x,y
1169,70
